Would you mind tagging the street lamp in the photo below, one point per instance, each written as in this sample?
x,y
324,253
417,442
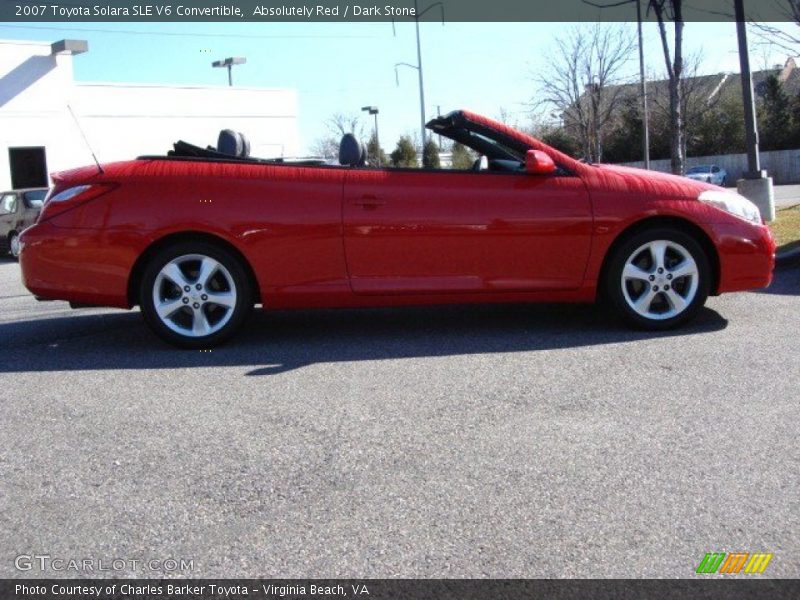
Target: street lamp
x,y
229,62
373,110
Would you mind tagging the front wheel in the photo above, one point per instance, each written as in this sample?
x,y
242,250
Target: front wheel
x,y
195,295
658,279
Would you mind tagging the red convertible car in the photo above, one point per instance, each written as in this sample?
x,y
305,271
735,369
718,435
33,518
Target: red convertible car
x,y
197,237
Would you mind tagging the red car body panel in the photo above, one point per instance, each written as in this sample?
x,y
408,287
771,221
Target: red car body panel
x,y
321,236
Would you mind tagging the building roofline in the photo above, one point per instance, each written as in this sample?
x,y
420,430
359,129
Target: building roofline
x,y
188,86
25,42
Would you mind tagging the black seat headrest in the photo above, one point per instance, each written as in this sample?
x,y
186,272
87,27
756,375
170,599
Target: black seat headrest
x,y
245,145
351,151
233,143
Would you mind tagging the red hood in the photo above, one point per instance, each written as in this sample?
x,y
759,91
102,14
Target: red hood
x,y
651,182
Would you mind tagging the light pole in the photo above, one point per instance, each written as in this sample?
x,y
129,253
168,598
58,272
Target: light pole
x,y
229,62
373,110
418,66
754,185
643,89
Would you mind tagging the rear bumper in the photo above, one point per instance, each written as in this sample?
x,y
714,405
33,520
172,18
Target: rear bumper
x,y
746,256
77,265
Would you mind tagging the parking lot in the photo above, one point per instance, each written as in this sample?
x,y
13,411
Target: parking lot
x,y
488,441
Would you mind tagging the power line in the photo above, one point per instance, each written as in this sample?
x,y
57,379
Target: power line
x,y
187,34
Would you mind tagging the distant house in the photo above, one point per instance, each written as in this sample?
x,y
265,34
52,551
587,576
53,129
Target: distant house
x,y
700,91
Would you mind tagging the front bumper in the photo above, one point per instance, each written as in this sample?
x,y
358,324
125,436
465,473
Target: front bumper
x,y
746,256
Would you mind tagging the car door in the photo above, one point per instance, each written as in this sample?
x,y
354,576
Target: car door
x,y
32,205
415,231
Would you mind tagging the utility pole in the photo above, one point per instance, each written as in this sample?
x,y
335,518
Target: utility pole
x,y
754,185
643,90
421,84
439,114
751,133
418,66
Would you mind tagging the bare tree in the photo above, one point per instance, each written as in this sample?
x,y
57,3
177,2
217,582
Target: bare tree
x,y
342,123
337,125
672,10
699,96
581,82
325,147
788,10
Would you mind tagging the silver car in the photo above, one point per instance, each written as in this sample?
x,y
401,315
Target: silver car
x,y
709,173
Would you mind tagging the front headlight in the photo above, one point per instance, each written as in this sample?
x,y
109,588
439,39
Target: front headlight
x,y
732,203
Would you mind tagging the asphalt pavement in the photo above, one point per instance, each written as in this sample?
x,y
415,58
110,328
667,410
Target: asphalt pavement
x,y
487,441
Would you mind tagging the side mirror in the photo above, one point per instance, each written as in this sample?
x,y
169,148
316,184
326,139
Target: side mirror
x,y
539,163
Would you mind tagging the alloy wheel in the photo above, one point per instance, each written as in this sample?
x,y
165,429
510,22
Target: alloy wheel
x,y
660,280
194,295
14,245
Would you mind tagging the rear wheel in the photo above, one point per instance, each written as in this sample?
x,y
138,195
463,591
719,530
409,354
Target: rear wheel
x,y
13,244
658,279
195,294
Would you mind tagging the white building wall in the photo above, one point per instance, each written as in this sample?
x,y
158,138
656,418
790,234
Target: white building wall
x,y
122,121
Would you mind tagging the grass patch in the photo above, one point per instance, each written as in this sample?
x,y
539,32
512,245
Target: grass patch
x,y
786,228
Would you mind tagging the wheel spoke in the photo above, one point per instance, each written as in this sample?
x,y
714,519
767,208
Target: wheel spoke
x,y
173,272
631,271
168,308
226,299
685,268
643,302
200,325
208,266
658,251
676,301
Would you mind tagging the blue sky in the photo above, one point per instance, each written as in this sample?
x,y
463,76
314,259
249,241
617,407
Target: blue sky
x,y
340,67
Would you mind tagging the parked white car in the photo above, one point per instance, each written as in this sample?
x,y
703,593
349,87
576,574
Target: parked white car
x,y
709,173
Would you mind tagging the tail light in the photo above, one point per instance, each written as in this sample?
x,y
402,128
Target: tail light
x,y
63,199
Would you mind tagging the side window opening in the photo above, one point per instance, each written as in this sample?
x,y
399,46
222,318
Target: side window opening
x,y
8,205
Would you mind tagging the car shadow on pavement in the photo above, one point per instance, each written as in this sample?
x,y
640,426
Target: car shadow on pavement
x,y
276,342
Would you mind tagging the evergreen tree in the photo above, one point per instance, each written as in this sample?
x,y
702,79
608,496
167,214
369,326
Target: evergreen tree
x,y
404,155
559,139
720,131
430,155
375,154
462,159
624,144
774,116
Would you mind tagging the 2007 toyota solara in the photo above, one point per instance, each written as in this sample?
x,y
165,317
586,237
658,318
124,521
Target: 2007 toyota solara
x,y
196,238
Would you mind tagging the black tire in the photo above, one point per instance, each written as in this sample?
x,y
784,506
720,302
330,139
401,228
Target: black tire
x,y
622,293
13,249
233,276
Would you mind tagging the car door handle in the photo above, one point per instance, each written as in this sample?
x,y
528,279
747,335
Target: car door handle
x,y
369,202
